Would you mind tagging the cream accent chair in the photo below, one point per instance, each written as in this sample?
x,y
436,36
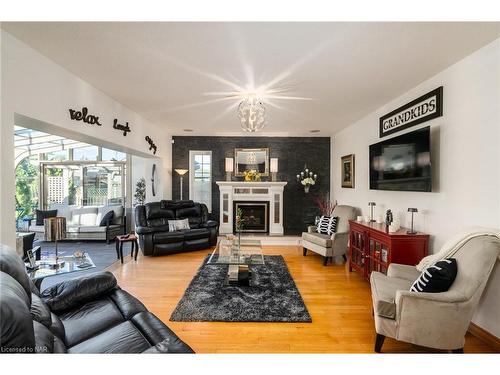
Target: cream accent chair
x,y
435,320
330,245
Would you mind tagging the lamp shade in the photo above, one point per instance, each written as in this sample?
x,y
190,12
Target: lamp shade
x,y
55,228
229,165
273,168
372,204
181,172
412,209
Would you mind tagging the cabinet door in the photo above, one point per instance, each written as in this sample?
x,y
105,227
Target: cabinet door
x,y
378,255
357,247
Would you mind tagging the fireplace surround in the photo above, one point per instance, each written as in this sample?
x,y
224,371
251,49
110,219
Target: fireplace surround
x,y
255,216
270,193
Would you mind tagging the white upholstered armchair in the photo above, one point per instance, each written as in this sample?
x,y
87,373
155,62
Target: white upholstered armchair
x,y
330,245
435,320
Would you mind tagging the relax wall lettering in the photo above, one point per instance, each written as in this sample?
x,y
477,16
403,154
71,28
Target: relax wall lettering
x,y
84,116
422,109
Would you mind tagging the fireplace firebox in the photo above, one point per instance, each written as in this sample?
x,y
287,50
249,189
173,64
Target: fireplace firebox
x,y
255,216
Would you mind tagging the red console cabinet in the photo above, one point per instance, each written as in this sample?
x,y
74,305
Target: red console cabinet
x,y
373,248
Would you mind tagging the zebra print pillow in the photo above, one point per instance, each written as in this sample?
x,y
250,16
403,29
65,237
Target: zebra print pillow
x,y
327,225
437,278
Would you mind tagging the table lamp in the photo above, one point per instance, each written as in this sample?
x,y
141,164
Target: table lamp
x,y
371,204
181,172
273,168
412,210
229,168
55,230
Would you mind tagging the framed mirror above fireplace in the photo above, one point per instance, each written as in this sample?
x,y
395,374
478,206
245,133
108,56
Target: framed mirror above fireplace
x,y
255,216
246,159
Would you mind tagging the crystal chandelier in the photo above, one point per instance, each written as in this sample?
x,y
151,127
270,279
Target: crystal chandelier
x,y
252,114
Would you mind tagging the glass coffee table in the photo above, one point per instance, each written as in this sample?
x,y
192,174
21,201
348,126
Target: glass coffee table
x,y
68,264
239,255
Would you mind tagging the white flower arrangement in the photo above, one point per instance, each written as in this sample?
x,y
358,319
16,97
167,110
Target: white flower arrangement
x,y
308,181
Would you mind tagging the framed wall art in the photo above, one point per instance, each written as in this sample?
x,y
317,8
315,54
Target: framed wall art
x,y
347,171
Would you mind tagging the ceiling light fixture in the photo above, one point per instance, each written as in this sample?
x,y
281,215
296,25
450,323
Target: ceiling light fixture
x,y
314,131
188,130
251,113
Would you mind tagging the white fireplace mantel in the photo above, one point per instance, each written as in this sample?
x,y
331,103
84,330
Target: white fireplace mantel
x,y
234,191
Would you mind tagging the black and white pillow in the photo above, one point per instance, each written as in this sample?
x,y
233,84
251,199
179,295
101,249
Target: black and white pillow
x,y
327,225
437,278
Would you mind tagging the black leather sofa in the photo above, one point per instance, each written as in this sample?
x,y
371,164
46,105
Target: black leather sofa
x,y
90,314
151,225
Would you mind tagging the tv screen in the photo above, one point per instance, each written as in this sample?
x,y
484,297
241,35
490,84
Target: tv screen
x,y
402,163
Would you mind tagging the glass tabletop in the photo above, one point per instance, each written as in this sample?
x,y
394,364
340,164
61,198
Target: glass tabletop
x,y
242,252
71,264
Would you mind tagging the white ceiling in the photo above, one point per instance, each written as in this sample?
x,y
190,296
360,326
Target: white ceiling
x,y
166,71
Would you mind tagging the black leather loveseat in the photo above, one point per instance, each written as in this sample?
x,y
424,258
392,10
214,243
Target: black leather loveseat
x,y
90,314
151,224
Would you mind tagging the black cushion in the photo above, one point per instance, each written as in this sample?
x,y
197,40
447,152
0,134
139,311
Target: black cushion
x,y
437,278
327,225
77,291
168,237
41,215
121,338
194,234
108,217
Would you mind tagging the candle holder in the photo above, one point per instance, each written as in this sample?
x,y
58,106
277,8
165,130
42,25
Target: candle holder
x,y
412,210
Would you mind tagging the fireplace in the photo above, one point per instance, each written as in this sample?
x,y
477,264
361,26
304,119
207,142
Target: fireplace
x,y
255,216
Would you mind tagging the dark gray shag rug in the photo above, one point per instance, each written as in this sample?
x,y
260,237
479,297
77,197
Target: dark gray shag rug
x,y
273,296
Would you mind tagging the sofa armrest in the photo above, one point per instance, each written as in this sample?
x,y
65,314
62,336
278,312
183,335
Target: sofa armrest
x,y
144,230
78,291
209,224
312,229
403,271
446,297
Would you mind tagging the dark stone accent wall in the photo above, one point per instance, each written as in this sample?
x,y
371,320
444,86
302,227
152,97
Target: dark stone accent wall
x,y
299,208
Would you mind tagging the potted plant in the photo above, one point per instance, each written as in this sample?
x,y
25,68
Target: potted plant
x,y
325,206
140,192
307,182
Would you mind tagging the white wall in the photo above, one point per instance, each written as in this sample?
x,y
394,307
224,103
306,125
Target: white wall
x,y
36,87
465,161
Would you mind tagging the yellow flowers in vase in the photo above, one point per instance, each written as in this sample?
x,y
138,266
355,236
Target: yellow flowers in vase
x,y
251,175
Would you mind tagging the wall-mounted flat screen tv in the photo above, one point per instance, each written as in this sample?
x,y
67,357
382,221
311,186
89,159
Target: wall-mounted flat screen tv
x,y
402,163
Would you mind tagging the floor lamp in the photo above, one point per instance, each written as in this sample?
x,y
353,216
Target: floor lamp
x,y
181,172
55,230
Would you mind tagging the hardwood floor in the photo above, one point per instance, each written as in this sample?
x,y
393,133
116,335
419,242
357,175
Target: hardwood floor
x,y
339,303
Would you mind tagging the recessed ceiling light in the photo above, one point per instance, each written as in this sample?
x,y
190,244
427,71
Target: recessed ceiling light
x,y
188,130
314,131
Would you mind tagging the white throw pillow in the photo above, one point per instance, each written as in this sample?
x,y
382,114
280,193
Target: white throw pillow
x,y
174,225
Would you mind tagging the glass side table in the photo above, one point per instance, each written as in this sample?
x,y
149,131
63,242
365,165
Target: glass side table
x,y
71,264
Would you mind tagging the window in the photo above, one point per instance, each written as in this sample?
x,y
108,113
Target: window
x,y
85,153
112,155
200,177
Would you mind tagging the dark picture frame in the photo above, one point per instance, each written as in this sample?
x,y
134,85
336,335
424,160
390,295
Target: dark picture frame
x,y
347,171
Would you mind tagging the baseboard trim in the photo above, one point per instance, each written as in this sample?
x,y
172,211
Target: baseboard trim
x,y
485,336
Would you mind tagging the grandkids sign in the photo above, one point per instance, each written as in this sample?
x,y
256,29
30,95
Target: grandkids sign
x,y
422,109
